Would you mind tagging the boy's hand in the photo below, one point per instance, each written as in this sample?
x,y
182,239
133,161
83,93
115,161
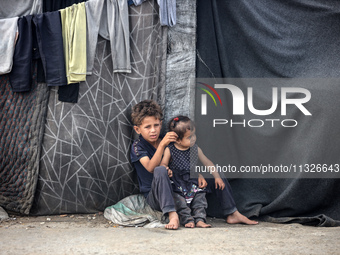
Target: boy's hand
x,y
169,172
202,183
219,184
169,138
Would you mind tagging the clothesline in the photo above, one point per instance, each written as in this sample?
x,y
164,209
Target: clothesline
x,y
58,39
65,48
29,7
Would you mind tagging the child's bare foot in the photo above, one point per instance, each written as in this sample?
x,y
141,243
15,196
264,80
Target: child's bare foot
x,y
173,221
190,225
202,224
237,217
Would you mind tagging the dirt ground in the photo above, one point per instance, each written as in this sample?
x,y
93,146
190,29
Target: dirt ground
x,y
93,234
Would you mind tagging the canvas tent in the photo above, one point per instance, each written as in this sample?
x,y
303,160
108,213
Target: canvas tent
x,y
74,158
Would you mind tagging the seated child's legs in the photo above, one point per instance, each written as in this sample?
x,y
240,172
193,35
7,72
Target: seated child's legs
x,y
198,206
160,195
183,211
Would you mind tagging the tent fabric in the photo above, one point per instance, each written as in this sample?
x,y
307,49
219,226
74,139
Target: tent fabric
x,y
85,164
180,62
268,38
22,127
278,39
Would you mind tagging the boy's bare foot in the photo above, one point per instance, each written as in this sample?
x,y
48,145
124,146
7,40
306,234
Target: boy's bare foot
x,y
173,221
190,225
237,217
202,224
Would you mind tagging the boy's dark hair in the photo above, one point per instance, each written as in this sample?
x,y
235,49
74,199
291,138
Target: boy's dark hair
x,y
180,125
144,109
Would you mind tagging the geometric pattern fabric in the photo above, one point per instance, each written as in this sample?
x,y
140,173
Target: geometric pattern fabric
x,y
85,164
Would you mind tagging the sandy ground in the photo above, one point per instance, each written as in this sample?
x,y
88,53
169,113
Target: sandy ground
x,y
93,234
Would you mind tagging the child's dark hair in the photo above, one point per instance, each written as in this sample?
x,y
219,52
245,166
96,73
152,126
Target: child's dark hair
x,y
144,109
180,125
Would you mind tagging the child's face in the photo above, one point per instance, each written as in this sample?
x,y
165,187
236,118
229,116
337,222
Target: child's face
x,y
188,139
149,129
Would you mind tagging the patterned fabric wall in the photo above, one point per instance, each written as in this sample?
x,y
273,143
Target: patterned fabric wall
x,y
84,164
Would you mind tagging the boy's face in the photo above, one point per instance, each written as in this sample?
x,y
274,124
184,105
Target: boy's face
x,y
149,129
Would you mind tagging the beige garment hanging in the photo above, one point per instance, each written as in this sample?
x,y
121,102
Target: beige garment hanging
x,y
73,20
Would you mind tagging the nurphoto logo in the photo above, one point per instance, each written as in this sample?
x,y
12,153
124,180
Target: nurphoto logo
x,y
267,127
280,98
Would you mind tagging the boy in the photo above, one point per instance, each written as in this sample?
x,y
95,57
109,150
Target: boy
x,y
146,155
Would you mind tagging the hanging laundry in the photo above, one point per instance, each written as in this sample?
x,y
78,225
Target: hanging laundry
x,y
111,21
20,76
56,5
138,2
50,42
18,8
70,92
167,12
39,37
73,21
8,32
94,9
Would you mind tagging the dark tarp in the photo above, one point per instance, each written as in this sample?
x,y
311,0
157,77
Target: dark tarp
x,y
85,164
282,39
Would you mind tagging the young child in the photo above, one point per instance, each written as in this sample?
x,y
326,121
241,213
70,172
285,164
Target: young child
x,y
189,193
146,154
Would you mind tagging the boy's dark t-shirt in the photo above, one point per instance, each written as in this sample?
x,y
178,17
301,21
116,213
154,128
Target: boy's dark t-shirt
x,y
139,149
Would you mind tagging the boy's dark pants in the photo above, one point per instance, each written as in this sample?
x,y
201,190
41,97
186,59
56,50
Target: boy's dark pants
x,y
220,202
160,196
193,212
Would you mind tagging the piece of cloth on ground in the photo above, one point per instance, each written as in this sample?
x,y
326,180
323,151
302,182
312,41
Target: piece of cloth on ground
x,y
133,211
3,214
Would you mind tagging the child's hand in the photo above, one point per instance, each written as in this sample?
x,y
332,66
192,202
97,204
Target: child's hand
x,y
168,138
219,184
202,183
169,172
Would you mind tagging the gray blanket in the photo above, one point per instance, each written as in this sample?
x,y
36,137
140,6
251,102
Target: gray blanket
x,y
22,127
